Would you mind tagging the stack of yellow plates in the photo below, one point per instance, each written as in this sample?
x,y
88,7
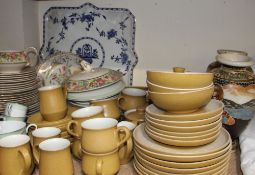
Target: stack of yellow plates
x,y
154,158
191,129
61,124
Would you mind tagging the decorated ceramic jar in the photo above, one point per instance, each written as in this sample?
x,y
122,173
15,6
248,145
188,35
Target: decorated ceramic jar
x,y
92,78
235,86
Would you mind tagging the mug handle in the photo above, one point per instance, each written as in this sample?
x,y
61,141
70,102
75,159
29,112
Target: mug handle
x,y
120,101
27,158
29,126
129,148
79,150
99,167
35,52
36,153
127,134
69,126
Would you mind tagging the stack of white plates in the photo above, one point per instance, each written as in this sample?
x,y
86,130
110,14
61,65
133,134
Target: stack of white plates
x,y
20,88
154,158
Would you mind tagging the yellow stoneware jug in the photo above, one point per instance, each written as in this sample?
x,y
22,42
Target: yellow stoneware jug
x,y
53,105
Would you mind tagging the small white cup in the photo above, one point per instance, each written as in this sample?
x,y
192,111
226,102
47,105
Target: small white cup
x,y
15,110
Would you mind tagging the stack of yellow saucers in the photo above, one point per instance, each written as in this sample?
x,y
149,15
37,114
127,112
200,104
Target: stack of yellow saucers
x,y
190,129
154,158
37,119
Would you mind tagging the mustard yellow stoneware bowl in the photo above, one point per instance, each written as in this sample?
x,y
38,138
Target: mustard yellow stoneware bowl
x,y
182,102
183,80
157,88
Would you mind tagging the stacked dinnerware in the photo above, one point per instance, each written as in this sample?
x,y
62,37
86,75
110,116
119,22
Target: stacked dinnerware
x,y
183,132
154,158
93,84
18,83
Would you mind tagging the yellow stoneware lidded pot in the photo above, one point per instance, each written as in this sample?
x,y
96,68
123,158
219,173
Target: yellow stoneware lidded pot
x,y
15,155
101,135
55,157
53,105
178,78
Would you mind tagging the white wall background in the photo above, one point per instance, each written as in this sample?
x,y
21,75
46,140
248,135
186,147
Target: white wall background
x,y
169,32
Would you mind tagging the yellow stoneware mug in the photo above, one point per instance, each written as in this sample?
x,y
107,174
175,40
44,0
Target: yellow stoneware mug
x,y
55,157
53,105
80,115
101,135
41,134
15,155
125,153
132,98
100,164
110,106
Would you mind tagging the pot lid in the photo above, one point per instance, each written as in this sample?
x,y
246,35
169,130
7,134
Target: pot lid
x,y
236,60
92,78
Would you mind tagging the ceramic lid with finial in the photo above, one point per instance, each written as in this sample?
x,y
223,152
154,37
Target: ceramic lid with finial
x,y
92,78
234,58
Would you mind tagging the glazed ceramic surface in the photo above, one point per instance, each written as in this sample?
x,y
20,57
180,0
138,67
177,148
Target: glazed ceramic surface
x,y
144,141
98,94
201,165
235,87
182,80
213,108
93,79
15,155
104,37
58,68
182,102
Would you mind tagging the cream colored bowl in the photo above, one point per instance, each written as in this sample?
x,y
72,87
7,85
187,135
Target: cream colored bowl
x,y
157,88
184,129
185,123
186,80
182,102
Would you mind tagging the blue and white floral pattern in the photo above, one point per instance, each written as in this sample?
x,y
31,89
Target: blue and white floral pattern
x,y
104,37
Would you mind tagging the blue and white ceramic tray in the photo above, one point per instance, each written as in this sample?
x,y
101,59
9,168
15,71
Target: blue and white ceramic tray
x,y
104,37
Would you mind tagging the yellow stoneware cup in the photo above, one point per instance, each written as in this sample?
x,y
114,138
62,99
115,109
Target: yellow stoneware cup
x,y
55,157
15,155
100,164
41,134
53,105
101,135
110,106
80,115
132,98
125,153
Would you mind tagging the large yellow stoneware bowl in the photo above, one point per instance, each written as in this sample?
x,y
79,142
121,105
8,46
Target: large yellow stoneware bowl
x,y
182,102
185,80
157,88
